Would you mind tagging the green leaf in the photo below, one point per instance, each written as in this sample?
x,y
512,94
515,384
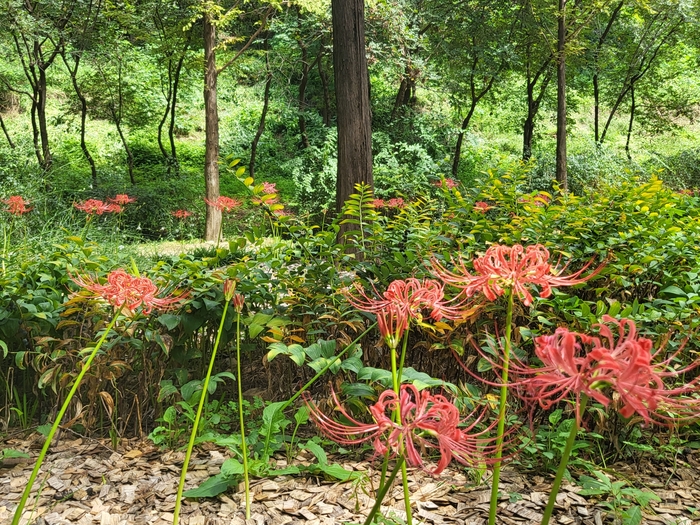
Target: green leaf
x,y
295,352
11,453
210,488
317,451
3,345
632,516
674,290
170,321
271,412
231,467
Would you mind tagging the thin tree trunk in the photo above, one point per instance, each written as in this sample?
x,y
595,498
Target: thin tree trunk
x,y
211,116
127,150
43,125
596,55
263,114
633,107
173,113
352,100
533,106
7,134
326,112
73,72
561,174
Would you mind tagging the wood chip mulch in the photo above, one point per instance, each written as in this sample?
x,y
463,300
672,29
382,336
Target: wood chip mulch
x,y
85,482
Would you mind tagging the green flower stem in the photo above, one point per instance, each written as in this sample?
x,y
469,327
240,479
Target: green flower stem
x,y
244,450
396,379
501,412
57,422
564,461
193,435
400,461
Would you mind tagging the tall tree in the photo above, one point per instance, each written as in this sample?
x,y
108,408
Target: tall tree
x,y
36,29
352,98
214,16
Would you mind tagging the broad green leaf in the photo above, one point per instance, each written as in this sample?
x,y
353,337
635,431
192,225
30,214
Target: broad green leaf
x,y
231,467
210,488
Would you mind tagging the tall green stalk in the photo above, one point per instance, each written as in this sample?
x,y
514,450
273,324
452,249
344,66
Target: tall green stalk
x,y
244,450
503,401
193,435
564,461
57,422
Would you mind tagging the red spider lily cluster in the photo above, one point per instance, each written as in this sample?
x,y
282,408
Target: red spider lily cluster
x,y
482,206
269,188
617,365
181,214
425,422
122,199
97,207
403,301
395,203
123,290
222,203
16,205
448,183
511,268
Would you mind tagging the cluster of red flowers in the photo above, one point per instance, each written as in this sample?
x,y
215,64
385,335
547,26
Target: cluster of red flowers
x,y
123,290
511,268
403,301
181,214
16,205
482,206
222,203
425,422
395,203
97,207
448,183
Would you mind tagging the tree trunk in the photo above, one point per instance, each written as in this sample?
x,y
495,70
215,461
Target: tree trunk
x,y
596,55
460,138
73,72
173,106
352,100
211,120
533,106
326,112
41,115
7,134
263,114
633,107
561,175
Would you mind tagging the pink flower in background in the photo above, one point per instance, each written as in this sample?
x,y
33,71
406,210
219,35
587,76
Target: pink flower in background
x,y
482,207
269,188
122,199
124,290
378,203
181,214
96,207
427,422
513,268
224,203
396,202
448,183
114,208
16,205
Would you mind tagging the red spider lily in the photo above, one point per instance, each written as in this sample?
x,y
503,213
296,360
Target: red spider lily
x,y
512,268
122,199
404,300
114,208
16,205
378,203
96,207
181,214
622,364
126,291
448,183
426,422
223,203
482,206
269,188
396,202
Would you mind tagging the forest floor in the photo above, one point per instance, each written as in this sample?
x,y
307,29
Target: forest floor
x,y
84,481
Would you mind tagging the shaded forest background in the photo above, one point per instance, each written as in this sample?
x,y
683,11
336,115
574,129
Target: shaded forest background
x,y
98,97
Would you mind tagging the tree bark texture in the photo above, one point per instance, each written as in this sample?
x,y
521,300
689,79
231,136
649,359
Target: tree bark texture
x,y
211,125
352,99
561,174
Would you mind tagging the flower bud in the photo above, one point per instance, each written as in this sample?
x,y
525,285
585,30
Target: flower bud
x,y
238,301
229,289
